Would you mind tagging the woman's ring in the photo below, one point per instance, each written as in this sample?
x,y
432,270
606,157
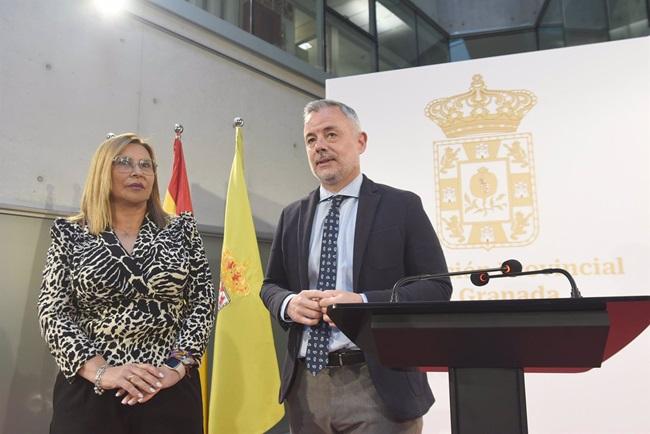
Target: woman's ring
x,y
130,377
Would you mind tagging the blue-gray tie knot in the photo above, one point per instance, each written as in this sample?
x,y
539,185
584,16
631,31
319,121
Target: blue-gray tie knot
x,y
336,200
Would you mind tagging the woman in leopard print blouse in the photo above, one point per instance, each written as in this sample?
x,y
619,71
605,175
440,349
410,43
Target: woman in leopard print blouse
x,y
127,303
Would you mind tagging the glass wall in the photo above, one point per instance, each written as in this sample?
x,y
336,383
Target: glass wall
x,y
229,10
345,37
576,22
349,49
550,31
433,45
627,18
498,44
301,38
356,36
355,11
288,24
396,34
585,22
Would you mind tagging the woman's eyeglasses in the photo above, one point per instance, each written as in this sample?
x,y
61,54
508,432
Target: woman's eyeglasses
x,y
126,164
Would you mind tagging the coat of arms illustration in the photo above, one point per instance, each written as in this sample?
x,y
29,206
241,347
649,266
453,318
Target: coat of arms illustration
x,y
485,179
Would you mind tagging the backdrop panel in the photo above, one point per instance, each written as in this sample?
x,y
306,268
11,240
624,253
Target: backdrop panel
x,y
543,157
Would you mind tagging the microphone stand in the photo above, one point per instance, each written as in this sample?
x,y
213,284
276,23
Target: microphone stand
x,y
506,268
575,293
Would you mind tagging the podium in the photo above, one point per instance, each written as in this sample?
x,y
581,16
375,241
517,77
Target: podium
x,y
488,345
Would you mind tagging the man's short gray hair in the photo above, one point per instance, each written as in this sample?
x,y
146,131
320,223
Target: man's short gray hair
x,y
317,105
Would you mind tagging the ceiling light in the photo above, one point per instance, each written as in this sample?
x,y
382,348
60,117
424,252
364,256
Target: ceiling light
x,y
305,46
110,7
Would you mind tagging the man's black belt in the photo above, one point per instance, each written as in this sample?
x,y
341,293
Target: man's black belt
x,y
345,358
339,358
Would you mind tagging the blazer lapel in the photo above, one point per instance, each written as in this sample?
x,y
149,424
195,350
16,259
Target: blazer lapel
x,y
368,202
305,223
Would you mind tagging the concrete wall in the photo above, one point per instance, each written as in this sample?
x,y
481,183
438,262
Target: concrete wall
x,y
69,75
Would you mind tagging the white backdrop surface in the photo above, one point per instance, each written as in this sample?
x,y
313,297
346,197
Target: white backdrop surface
x,y
574,192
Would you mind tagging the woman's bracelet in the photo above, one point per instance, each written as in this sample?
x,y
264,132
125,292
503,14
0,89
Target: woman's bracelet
x,y
98,379
182,355
185,357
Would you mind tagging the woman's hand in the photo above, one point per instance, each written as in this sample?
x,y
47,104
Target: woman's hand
x,y
138,379
171,377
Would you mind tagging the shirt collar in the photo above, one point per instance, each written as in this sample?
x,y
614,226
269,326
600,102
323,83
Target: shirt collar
x,y
350,190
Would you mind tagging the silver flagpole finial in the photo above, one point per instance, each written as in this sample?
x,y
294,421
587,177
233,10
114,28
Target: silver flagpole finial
x,y
238,122
110,135
178,129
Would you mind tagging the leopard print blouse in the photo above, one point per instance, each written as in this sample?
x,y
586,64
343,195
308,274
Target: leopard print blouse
x,y
97,299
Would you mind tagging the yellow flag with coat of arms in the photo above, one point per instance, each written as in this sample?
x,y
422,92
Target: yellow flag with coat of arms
x,y
245,376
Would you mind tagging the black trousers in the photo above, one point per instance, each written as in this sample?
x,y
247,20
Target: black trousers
x,y
79,410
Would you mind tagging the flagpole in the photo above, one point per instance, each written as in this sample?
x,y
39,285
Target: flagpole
x,y
178,200
178,129
238,125
203,366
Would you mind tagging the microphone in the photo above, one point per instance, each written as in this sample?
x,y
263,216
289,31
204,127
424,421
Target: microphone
x,y
508,267
481,278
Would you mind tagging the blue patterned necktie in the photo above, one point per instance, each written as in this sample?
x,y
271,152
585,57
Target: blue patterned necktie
x,y
317,345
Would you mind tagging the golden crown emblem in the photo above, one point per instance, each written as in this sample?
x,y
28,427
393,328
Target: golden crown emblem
x,y
480,110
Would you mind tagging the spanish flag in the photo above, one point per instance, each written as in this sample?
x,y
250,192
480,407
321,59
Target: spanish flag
x,y
178,200
245,376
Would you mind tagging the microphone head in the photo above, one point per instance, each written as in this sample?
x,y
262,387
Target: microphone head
x,y
479,279
511,266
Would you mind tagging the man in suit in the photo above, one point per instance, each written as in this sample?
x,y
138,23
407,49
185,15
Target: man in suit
x,y
349,241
